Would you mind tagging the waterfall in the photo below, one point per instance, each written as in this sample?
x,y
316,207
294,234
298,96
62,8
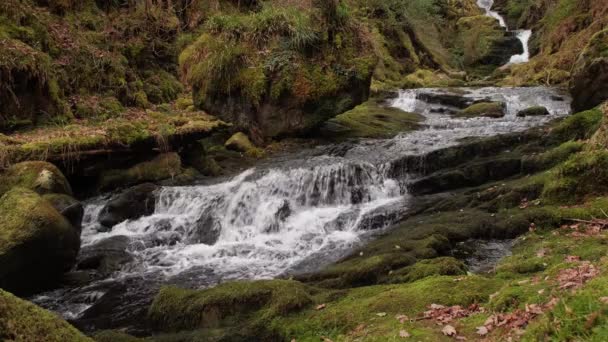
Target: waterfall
x,y
295,213
522,35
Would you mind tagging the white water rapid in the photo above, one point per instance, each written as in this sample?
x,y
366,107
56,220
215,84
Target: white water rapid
x,y
295,213
522,35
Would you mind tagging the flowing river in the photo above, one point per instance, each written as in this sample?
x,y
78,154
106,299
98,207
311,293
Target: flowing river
x,y
295,213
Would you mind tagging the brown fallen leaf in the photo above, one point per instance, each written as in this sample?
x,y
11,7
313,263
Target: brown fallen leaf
x,y
482,331
320,307
449,330
604,300
381,314
404,334
325,339
572,258
461,338
402,318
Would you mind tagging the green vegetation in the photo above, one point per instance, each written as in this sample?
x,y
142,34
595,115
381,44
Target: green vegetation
x,y
23,321
374,120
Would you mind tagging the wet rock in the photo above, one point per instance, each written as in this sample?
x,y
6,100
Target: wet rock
x,y
589,81
484,109
37,243
533,111
239,142
132,204
280,216
24,321
471,174
69,207
38,176
207,230
446,99
106,256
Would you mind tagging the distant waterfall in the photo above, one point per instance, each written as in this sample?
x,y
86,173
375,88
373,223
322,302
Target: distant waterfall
x,y
522,35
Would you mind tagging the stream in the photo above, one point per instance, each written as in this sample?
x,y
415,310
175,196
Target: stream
x,y
294,213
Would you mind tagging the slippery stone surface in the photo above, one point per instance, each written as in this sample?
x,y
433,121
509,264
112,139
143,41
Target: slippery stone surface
x,y
533,111
133,203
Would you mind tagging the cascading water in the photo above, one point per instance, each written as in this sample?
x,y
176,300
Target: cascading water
x,y
522,35
293,214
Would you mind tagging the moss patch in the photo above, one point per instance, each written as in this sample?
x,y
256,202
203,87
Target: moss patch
x,y
23,321
374,120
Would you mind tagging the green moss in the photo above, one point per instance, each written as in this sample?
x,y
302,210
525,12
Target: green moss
x,y
546,160
478,35
427,268
374,120
581,176
239,142
164,166
97,108
484,109
578,126
361,305
227,304
37,243
39,176
23,321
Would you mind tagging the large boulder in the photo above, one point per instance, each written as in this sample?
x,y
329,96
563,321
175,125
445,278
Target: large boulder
x,y
132,204
37,243
589,82
38,176
24,321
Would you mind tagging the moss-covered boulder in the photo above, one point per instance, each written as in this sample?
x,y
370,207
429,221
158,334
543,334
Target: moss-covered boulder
x,y
38,176
163,166
37,243
484,109
227,304
24,321
589,82
484,42
533,111
239,142
68,206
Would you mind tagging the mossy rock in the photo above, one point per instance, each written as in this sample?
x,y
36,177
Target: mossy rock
x,y
239,142
37,243
484,109
590,76
24,321
162,167
38,176
227,304
427,268
371,120
533,111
